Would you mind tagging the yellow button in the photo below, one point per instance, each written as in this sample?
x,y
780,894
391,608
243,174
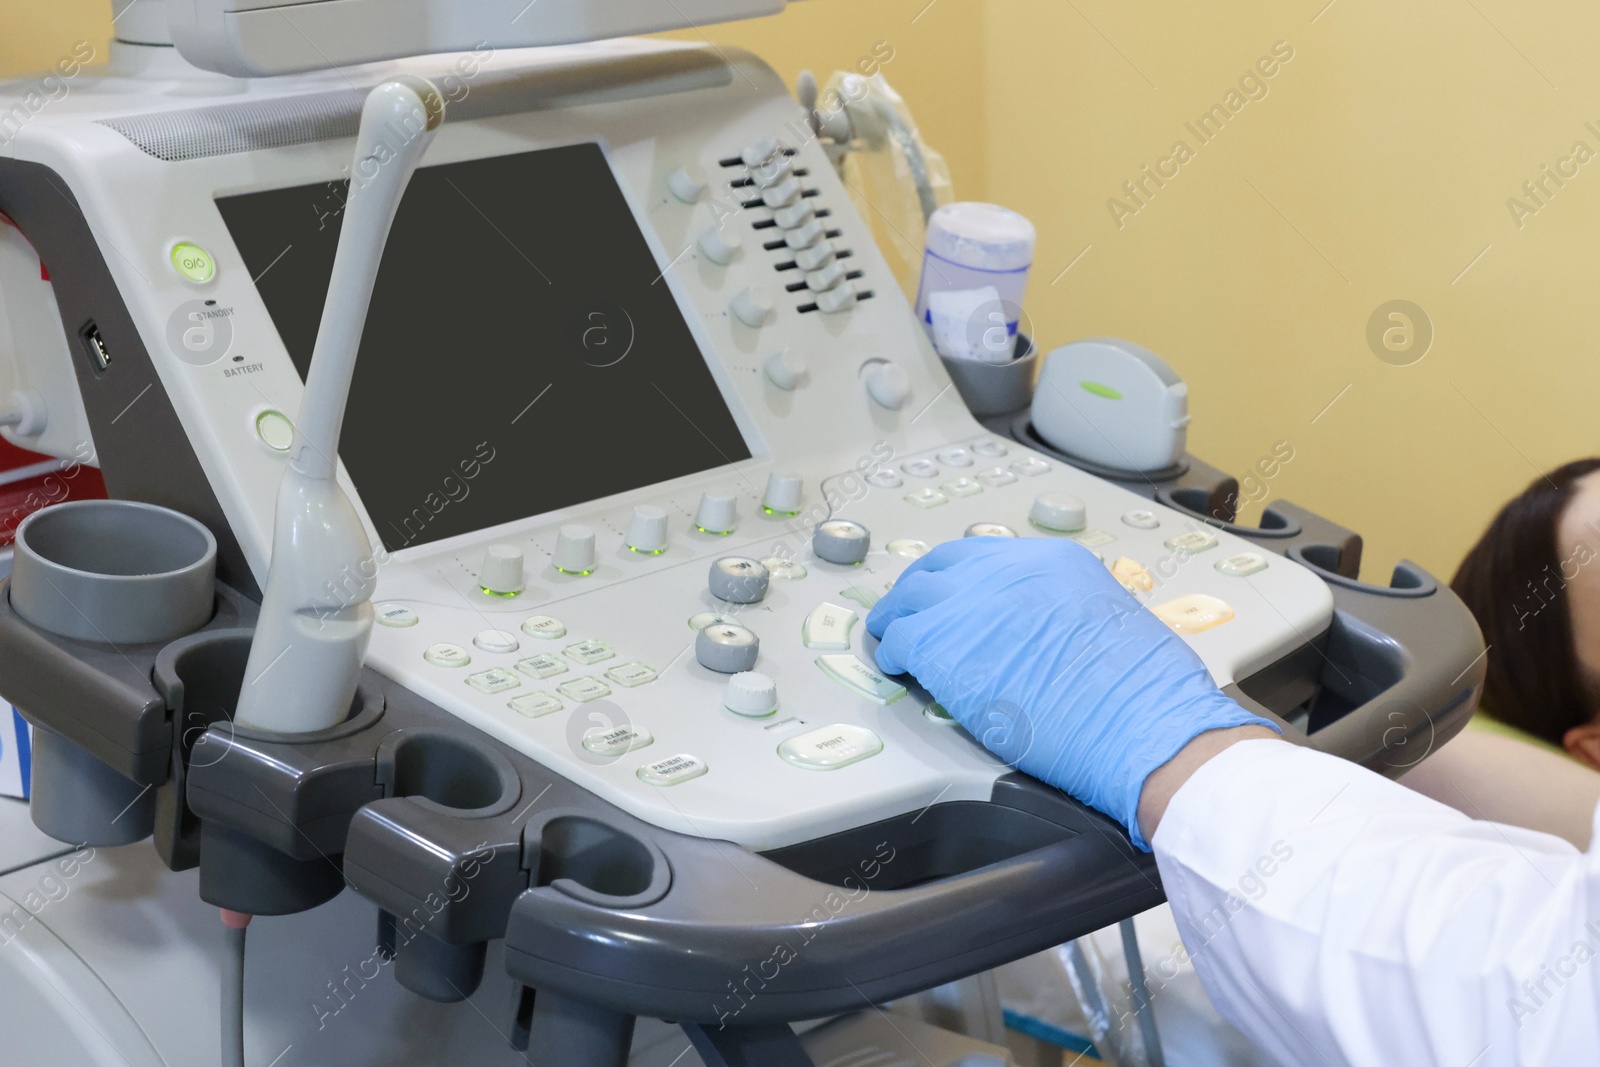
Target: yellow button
x,y
193,262
275,430
1134,576
1194,613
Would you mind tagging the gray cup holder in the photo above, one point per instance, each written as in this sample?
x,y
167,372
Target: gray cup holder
x,y
110,572
448,772
592,861
114,572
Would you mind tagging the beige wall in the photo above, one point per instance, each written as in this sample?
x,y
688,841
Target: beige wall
x,y
33,35
1377,167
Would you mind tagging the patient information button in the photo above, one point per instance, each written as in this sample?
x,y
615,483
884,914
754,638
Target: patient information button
x,y
672,770
193,262
831,747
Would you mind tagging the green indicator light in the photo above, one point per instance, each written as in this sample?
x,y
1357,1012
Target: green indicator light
x,y
1101,390
495,592
193,262
641,551
779,514
275,430
563,570
714,533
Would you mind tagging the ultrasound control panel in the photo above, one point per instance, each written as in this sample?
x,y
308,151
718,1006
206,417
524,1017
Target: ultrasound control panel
x,y
641,427
720,680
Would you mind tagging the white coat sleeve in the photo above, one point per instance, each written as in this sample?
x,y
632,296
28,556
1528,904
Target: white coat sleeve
x,y
1338,918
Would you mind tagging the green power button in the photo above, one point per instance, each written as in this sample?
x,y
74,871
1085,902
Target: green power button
x,y
193,262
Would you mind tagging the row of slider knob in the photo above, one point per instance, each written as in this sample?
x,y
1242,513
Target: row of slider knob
x,y
502,570
778,188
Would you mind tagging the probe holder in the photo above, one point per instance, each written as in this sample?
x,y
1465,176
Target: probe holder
x,y
110,580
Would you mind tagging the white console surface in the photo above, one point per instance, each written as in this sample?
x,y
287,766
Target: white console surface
x,y
636,610
806,389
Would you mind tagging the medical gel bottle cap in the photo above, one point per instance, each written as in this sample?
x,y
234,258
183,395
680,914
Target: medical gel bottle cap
x,y
982,236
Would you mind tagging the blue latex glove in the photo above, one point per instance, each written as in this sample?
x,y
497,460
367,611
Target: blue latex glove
x,y
1042,655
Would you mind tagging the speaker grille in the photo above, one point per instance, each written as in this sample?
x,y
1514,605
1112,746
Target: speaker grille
x,y
223,129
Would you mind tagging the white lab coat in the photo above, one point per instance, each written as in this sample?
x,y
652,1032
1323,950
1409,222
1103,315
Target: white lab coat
x,y
1339,918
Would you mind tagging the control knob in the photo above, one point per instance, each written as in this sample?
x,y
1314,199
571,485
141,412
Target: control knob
x,y
687,184
751,693
501,572
739,579
647,530
574,552
727,648
785,368
783,494
1059,512
753,306
718,513
841,541
720,244
887,384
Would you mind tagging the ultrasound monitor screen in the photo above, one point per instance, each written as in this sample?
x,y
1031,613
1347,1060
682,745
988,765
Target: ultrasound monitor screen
x,y
522,352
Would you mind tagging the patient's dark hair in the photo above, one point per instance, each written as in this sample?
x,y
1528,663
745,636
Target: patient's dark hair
x,y
1534,682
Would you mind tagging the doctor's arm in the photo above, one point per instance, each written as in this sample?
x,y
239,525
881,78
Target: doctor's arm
x,y
1332,915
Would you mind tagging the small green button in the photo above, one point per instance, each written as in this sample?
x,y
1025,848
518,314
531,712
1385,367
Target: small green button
x,y
275,430
1101,390
193,262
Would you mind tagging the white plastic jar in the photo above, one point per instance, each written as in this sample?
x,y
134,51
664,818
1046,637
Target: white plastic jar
x,y
974,276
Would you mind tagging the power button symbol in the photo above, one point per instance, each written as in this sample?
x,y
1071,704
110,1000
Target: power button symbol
x,y
193,262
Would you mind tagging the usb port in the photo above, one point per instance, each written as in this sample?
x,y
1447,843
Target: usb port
x,y
95,346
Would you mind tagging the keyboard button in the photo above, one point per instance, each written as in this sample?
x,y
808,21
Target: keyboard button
x,y
672,770
851,673
493,680
831,747
536,705
828,628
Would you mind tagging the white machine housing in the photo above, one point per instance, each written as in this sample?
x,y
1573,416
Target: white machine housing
x,y
255,38
855,402
35,359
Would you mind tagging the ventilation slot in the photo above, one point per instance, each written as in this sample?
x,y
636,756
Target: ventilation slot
x,y
223,129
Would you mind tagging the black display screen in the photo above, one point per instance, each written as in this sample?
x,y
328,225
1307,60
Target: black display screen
x,y
522,353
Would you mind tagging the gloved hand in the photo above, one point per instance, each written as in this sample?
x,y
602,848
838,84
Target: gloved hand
x,y
1040,653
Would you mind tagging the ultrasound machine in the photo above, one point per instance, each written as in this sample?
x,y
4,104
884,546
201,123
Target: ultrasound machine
x,y
640,428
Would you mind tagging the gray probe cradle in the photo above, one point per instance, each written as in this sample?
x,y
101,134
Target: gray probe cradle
x,y
605,917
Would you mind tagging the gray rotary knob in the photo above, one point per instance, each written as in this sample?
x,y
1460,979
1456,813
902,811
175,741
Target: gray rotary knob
x,y
739,579
727,648
841,541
